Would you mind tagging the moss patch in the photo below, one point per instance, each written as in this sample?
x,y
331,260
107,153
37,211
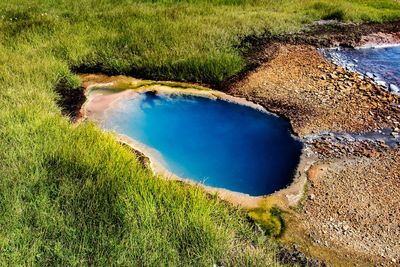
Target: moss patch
x,y
269,219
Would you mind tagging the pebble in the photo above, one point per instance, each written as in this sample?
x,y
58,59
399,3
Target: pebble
x,y
380,107
381,83
393,88
333,76
369,75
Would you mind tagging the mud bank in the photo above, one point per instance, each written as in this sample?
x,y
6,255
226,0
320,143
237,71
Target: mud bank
x,y
330,33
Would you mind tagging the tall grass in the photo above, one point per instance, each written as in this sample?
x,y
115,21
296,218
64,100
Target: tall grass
x,y
70,195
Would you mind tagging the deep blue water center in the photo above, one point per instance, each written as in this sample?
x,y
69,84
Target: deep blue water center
x,y
215,142
383,63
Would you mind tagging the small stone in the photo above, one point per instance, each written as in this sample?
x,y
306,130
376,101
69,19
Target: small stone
x,y
369,75
381,83
312,196
333,76
393,88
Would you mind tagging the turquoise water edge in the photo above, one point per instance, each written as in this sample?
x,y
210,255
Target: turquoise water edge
x,y
215,142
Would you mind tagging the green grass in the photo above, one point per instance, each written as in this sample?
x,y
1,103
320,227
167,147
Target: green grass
x,y
70,195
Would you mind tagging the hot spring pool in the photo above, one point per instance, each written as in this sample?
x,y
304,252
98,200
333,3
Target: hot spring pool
x,y
215,142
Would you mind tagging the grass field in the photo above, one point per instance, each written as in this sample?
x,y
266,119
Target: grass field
x,y
70,195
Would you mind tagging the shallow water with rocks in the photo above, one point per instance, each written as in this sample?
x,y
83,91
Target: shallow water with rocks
x,y
378,63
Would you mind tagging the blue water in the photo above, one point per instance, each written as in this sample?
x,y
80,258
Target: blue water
x,y
215,142
383,63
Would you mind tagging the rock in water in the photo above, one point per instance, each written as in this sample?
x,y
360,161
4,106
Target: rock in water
x,y
369,75
381,83
393,88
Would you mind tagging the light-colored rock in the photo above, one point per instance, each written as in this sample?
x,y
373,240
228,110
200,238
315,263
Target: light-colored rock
x,y
381,83
394,88
369,75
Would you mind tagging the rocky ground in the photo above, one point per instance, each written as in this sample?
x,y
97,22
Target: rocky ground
x,y
353,206
316,95
351,214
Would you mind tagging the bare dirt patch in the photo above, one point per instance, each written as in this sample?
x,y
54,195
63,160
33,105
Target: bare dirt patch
x,y
353,207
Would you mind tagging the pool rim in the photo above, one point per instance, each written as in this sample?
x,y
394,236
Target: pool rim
x,y
288,196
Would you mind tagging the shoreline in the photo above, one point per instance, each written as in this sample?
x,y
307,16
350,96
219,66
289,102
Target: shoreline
x,y
338,61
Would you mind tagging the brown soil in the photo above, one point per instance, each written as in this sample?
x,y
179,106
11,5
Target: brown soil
x,y
320,34
352,210
380,38
351,214
341,34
